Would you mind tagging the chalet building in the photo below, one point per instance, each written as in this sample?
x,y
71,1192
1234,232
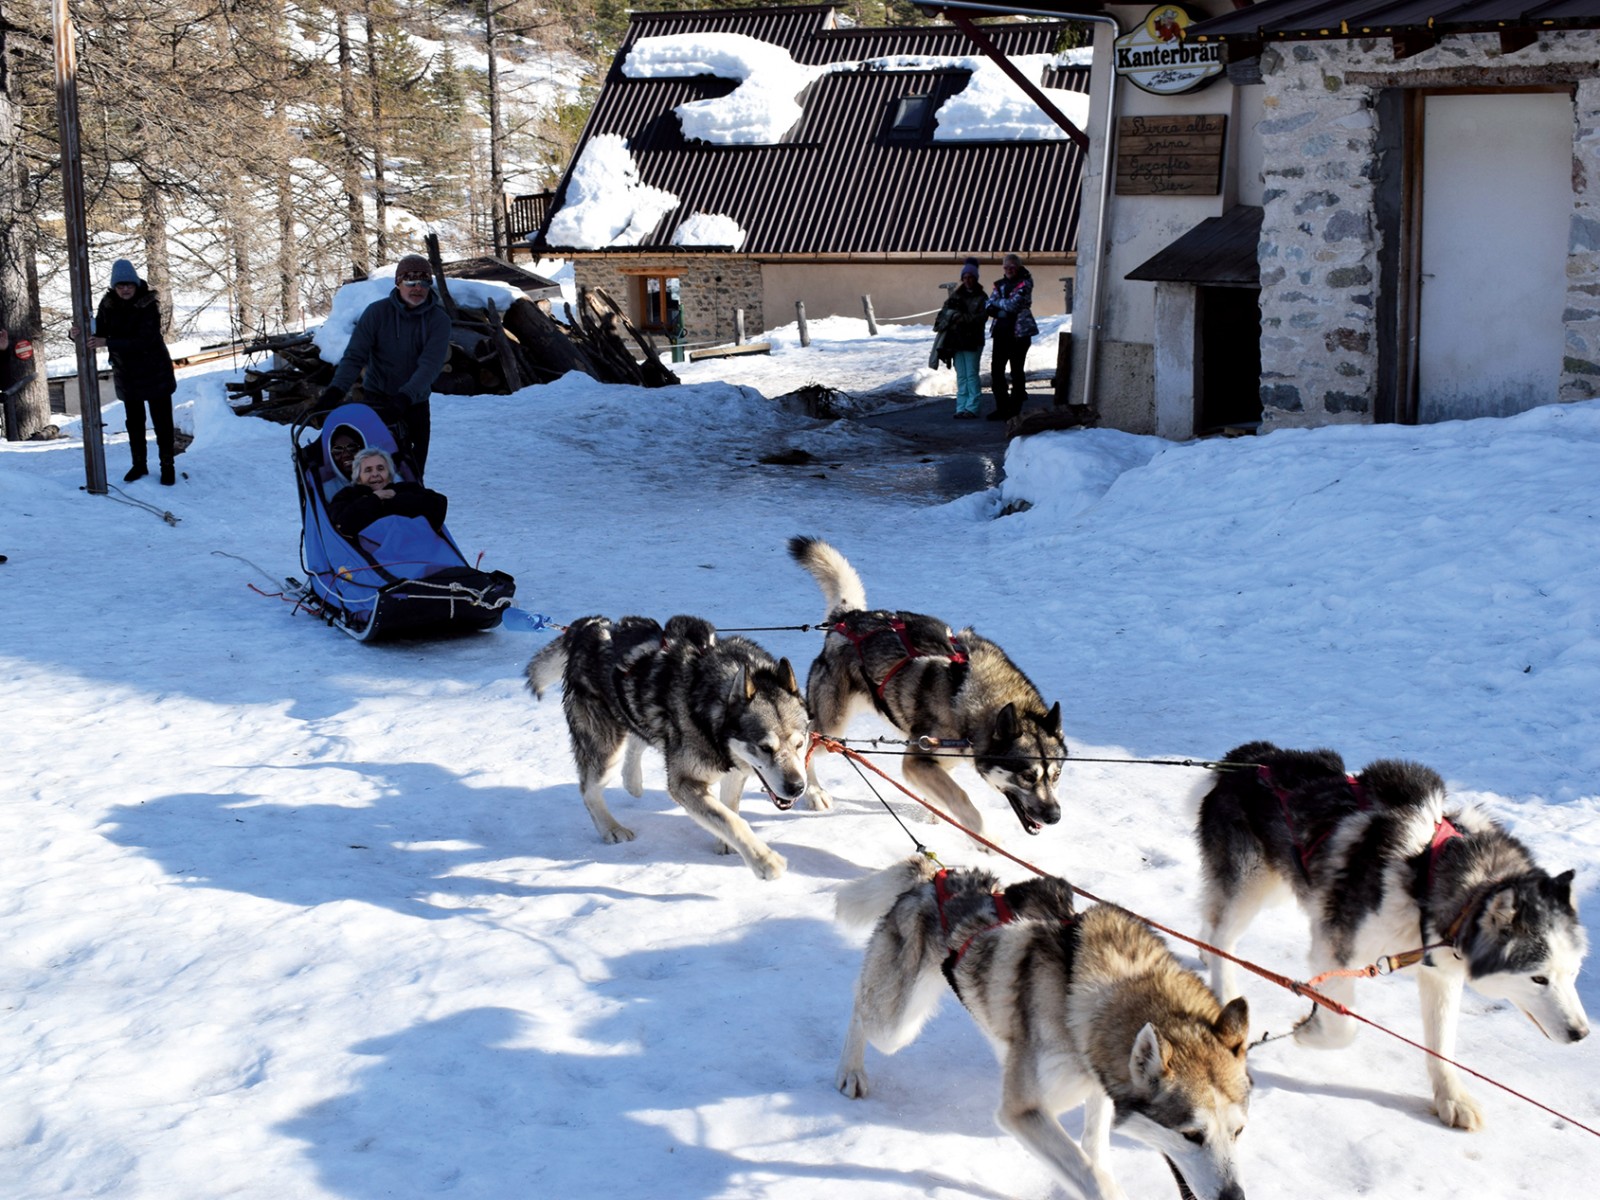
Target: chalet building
x,y
1331,211
843,164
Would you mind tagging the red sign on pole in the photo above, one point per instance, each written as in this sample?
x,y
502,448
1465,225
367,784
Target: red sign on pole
x,y
23,349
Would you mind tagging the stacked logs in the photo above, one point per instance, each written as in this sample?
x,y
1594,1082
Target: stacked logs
x,y
490,353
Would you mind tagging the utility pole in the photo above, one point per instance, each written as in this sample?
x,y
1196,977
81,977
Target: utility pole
x,y
94,451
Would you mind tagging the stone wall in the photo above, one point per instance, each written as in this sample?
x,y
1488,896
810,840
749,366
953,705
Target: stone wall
x,y
1580,369
1320,237
709,288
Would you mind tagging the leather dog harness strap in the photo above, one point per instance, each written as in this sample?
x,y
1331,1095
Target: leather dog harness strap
x,y
1306,853
898,627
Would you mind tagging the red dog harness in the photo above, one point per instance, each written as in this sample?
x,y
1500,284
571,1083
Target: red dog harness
x,y
1002,910
1306,853
898,627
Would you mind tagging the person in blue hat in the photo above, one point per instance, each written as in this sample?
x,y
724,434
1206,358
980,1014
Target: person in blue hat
x,y
128,325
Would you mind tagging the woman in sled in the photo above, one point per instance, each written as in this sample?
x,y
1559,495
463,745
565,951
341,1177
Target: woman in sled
x,y
376,493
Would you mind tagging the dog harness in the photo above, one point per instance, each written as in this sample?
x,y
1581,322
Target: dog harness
x,y
898,627
941,893
1305,853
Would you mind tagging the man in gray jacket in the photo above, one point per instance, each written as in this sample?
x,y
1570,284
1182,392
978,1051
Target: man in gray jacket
x,y
398,347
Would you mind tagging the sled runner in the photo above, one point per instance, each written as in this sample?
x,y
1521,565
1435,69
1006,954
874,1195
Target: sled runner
x,y
398,577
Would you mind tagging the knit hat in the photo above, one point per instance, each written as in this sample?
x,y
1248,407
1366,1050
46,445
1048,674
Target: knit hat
x,y
413,264
122,272
970,267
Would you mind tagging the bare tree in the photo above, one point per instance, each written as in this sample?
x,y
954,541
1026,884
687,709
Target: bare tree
x,y
19,279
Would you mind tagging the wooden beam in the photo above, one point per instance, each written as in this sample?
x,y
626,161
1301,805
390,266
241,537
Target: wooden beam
x,y
980,39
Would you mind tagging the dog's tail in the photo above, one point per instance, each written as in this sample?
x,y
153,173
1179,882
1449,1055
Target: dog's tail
x,y
547,667
863,903
840,584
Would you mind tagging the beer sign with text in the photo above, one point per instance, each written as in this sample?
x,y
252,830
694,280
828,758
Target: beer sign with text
x,y
1179,154
1154,57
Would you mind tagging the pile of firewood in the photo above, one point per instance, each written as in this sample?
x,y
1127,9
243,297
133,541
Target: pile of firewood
x,y
490,352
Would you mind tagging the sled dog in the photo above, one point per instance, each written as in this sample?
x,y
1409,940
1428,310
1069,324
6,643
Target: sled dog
x,y
1383,864
1081,1008
959,689
719,709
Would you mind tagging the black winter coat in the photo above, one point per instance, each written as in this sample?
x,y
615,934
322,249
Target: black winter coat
x,y
140,363
961,321
357,506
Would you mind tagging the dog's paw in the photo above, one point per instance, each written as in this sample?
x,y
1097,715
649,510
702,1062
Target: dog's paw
x,y
617,833
1324,1031
1458,1110
769,865
852,1081
818,799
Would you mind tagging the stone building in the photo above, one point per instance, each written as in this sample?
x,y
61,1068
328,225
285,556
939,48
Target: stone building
x,y
1397,223
744,160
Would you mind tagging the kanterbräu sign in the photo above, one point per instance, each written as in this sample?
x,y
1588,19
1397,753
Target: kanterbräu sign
x,y
1154,57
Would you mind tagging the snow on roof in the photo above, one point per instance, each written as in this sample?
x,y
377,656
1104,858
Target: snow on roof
x,y
993,108
756,113
763,107
607,204
709,229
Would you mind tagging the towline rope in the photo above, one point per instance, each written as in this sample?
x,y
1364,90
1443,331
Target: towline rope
x,y
932,747
1306,990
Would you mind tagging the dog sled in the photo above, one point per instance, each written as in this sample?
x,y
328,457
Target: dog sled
x,y
398,577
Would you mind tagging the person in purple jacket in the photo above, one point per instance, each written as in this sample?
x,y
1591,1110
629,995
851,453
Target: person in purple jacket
x,y
1011,306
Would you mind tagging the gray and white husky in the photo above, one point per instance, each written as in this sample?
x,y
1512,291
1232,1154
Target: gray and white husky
x,y
1383,864
958,689
719,709
1081,1008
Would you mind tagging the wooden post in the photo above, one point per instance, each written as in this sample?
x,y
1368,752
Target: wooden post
x,y
800,319
738,327
1066,291
872,320
94,450
431,241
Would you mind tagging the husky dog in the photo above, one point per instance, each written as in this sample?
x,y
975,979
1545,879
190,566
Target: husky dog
x,y
957,689
719,709
1081,1008
1382,866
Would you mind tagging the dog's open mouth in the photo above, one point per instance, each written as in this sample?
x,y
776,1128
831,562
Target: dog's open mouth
x,y
1031,826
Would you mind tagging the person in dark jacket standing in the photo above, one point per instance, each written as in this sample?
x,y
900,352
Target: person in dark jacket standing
x,y
398,347
128,324
960,343
1011,306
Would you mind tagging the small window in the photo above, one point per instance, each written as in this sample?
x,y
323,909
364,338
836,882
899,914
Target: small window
x,y
910,117
658,304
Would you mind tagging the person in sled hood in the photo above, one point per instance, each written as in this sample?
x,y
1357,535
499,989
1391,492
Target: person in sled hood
x,y
128,325
398,347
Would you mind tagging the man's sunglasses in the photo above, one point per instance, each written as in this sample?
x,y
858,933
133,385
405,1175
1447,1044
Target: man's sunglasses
x,y
414,281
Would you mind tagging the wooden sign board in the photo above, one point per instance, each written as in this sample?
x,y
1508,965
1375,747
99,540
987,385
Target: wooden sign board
x,y
1177,155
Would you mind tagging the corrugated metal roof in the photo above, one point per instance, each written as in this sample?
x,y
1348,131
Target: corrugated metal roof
x,y
837,184
1219,250
1279,19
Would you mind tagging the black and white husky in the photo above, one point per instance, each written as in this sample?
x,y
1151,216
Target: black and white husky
x,y
719,709
1383,865
1083,1008
957,689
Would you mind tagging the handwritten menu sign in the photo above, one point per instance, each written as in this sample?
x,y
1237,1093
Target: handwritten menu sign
x,y
1175,155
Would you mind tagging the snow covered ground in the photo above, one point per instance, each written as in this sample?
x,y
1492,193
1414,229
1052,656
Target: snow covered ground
x,y
288,915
